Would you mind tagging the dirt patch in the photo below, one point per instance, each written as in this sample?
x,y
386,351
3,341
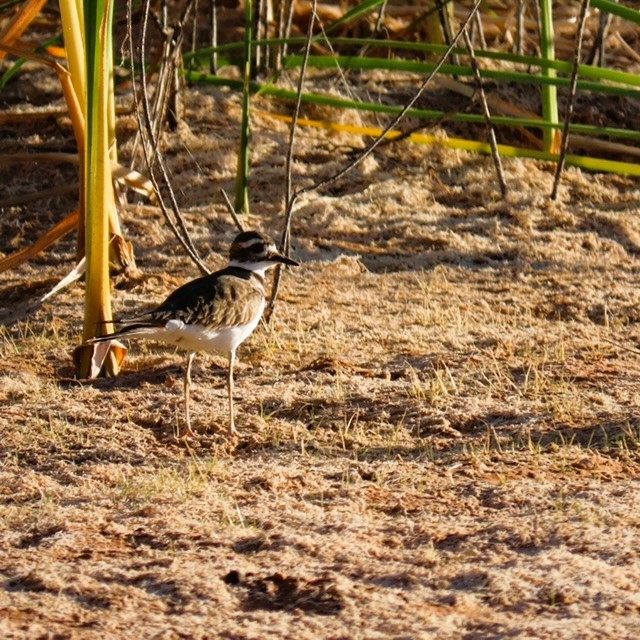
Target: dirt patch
x,y
442,427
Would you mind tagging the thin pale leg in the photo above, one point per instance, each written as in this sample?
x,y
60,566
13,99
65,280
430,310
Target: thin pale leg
x,y
187,431
232,427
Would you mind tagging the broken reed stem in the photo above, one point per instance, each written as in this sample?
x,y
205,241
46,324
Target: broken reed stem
x,y
150,142
487,115
584,7
520,27
213,63
445,23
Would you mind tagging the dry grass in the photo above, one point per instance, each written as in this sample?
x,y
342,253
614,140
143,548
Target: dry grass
x,y
442,440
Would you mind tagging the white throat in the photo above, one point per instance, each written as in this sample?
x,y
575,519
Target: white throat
x,y
259,268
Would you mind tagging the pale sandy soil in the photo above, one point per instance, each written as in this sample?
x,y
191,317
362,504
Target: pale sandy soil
x,y
442,442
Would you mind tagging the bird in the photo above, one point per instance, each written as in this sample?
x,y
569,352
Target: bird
x,y
215,312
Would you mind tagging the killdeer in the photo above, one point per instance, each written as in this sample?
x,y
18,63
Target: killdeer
x,y
216,312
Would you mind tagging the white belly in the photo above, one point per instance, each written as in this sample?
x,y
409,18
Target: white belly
x,y
197,337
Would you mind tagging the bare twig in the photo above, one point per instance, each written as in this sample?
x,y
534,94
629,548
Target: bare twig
x,y
285,241
277,64
371,148
445,23
378,26
232,211
598,49
292,131
287,30
487,115
194,32
478,22
258,54
368,150
620,346
628,49
151,142
584,7
375,34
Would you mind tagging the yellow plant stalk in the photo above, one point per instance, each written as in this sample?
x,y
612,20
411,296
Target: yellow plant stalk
x,y
91,360
72,15
585,162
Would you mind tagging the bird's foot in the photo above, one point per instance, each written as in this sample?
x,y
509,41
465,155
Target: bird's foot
x,y
186,433
235,434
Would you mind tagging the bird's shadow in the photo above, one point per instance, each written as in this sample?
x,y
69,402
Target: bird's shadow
x,y
137,379
124,380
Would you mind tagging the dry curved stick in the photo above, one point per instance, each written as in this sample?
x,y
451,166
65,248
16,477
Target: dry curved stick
x,y
285,243
232,211
146,128
572,96
487,115
68,224
367,152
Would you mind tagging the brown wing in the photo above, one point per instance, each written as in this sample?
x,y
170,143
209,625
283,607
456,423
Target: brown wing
x,y
235,302
229,297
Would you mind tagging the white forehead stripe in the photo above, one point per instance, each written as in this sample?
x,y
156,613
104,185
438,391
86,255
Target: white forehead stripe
x,y
249,243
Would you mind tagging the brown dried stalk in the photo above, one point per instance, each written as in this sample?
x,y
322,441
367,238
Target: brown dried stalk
x,y
584,7
150,140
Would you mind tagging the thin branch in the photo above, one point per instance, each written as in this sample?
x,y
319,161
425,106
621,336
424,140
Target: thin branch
x,y
478,22
598,49
368,150
620,346
277,63
371,148
232,211
487,115
445,23
520,27
292,131
194,32
285,241
380,18
287,30
145,125
584,8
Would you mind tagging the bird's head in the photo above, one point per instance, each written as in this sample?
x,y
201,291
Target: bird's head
x,y
256,252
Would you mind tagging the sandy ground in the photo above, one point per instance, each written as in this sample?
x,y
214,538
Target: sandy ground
x,y
442,429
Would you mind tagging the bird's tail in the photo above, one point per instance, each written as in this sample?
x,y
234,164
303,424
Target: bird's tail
x,y
135,330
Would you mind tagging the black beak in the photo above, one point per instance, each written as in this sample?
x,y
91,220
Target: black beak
x,y
278,257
